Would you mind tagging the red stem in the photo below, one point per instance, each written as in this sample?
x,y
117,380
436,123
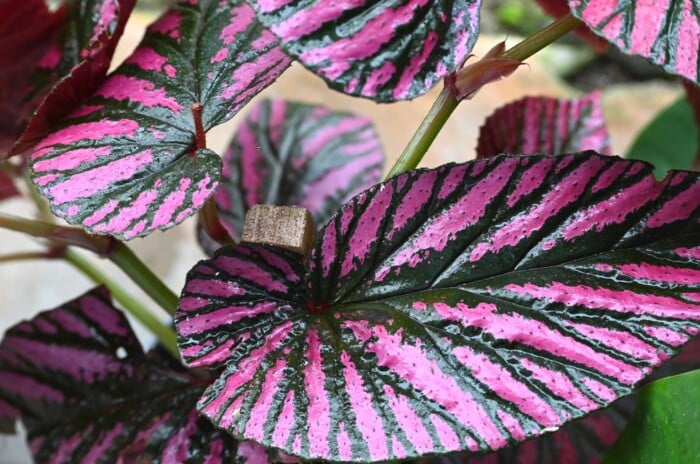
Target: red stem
x,y
200,138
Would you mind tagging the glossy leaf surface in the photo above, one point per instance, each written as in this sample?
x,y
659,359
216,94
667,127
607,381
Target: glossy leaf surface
x,y
584,441
296,154
675,123
86,392
385,50
461,308
664,428
128,161
665,32
545,125
74,65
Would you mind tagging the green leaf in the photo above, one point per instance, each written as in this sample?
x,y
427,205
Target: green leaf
x,y
664,428
677,124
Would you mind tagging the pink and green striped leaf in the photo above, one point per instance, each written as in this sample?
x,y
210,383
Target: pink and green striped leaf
x,y
129,160
39,89
386,50
584,441
534,125
86,392
296,154
467,307
665,32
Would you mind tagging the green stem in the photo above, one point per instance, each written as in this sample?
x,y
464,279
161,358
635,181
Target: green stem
x,y
28,255
108,247
164,334
446,103
128,262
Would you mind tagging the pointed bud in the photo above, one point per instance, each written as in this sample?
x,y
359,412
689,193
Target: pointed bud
x,y
466,82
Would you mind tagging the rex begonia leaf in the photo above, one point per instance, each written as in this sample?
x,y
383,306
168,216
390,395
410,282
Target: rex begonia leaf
x,y
296,154
466,307
664,32
86,392
584,441
129,160
74,65
385,50
534,125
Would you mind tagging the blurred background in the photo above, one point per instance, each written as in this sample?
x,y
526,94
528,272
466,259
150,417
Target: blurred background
x,y
633,92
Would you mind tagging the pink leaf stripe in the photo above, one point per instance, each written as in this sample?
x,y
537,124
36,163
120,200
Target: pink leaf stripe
x,y
665,32
126,162
70,68
296,154
545,125
385,50
86,392
467,307
584,441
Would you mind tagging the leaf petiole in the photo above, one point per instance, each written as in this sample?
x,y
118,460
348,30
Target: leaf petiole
x,y
446,103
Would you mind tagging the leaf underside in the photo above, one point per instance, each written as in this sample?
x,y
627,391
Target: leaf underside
x,y
386,50
467,307
86,392
127,162
295,154
664,32
534,125
560,8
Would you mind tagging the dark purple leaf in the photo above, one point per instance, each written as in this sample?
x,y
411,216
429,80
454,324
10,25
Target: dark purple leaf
x,y
75,65
467,307
298,155
664,32
62,71
132,158
385,50
560,8
27,29
7,186
534,125
86,392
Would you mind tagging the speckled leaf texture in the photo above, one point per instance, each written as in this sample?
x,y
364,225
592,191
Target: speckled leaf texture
x,y
534,125
386,50
86,392
295,154
466,307
72,60
127,161
666,32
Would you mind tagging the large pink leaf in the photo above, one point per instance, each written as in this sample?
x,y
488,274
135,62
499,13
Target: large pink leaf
x,y
545,125
50,78
288,153
385,50
86,392
132,158
666,32
467,307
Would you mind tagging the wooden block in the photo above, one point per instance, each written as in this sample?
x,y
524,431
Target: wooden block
x,y
288,227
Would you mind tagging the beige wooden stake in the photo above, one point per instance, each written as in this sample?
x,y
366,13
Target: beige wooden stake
x,y
288,227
